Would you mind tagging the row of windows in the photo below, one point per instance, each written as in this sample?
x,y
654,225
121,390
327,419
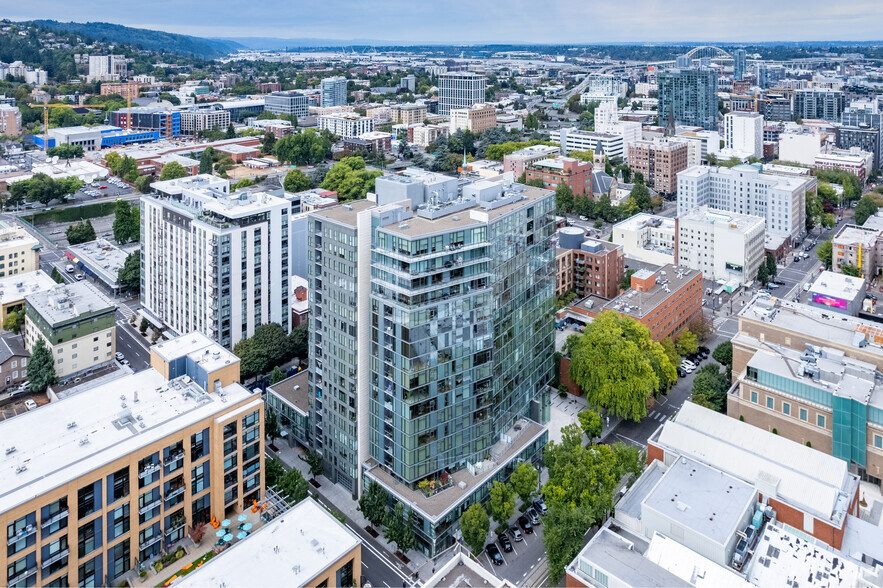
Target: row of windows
x,y
786,409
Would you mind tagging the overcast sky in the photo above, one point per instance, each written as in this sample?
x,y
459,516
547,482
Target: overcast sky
x,y
483,21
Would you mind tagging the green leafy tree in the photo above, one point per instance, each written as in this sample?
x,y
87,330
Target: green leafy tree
x,y
296,181
268,142
80,233
865,209
277,375
629,459
763,274
850,270
641,195
671,351
306,148
398,528
618,365
524,480
231,132
825,252
315,460
771,268
269,346
206,159
274,470
142,184
687,342
171,171
15,319
142,328
563,199
710,388
591,423
350,179
56,275
723,354
129,276
65,151
372,503
502,502
474,525
41,367
126,226
297,341
271,424
293,486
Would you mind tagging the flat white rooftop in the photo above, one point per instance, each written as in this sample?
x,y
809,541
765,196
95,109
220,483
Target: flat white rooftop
x,y
839,285
64,440
691,567
288,551
15,288
641,220
197,347
65,302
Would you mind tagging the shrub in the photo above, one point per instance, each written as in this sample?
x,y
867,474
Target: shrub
x,y
158,566
775,431
143,574
741,418
808,444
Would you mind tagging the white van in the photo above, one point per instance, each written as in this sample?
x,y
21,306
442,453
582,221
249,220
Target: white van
x,y
807,286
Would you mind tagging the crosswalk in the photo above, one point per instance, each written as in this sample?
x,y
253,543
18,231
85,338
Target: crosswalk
x,y
658,416
126,311
719,321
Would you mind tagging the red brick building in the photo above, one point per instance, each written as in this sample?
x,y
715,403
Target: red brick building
x,y
659,160
593,268
574,172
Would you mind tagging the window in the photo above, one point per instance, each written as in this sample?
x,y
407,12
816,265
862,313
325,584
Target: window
x,y
25,529
118,485
229,430
54,517
803,416
17,572
250,420
754,397
118,522
55,556
345,574
118,559
198,445
820,420
199,478
230,462
878,441
230,446
786,409
87,574
770,402
89,537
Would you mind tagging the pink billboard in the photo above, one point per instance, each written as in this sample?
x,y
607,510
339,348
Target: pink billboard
x,y
831,301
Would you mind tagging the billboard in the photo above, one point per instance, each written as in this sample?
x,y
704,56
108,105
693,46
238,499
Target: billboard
x,y
826,300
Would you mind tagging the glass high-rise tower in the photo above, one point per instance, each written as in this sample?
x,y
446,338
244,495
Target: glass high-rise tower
x,y
689,94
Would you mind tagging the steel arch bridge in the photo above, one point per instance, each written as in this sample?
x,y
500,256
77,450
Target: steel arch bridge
x,y
710,51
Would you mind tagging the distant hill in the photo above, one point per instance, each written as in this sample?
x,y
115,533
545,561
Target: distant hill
x,y
278,44
146,38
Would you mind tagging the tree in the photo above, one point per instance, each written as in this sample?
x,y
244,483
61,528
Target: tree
x,y
297,341
723,354
269,346
56,275
80,233
642,196
271,425
475,524
171,171
850,270
763,274
687,342
316,462
563,199
142,328
865,209
231,132
524,480
206,160
296,181
710,388
398,528
317,175
372,503
771,265
671,351
626,281
502,502
126,226
701,327
129,276
274,470
618,365
824,252
268,142
277,375
591,423
65,151
306,148
14,320
350,179
142,184
41,367
293,486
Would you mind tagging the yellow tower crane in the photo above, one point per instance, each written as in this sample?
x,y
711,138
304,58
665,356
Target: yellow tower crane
x,y
46,106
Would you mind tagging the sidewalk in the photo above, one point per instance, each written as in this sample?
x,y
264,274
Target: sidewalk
x,y
343,501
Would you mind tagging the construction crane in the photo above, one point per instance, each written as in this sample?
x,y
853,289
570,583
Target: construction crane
x,y
46,106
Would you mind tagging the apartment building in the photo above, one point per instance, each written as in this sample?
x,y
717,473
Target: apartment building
x,y
459,89
817,103
346,125
408,113
129,467
604,85
726,247
148,118
647,238
811,375
19,250
125,89
745,189
106,68
77,323
10,120
476,118
801,147
425,135
660,161
214,261
689,96
853,160
334,91
194,121
294,103
588,267
13,290
575,173
860,247
400,286
575,139
743,132
520,160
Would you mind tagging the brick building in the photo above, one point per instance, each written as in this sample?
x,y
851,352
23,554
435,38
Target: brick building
x,y
659,160
551,172
588,267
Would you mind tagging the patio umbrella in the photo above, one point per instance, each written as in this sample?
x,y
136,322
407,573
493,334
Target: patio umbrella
x,y
225,523
221,532
228,537
246,527
241,518
241,535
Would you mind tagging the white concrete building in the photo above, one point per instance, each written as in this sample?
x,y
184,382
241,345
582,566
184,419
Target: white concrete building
x,y
459,89
604,85
743,131
708,142
346,124
800,147
193,121
743,189
212,261
724,246
106,68
575,139
647,237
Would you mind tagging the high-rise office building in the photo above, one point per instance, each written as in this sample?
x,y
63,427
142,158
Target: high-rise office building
x,y
212,261
689,94
460,89
334,91
292,102
99,482
739,64
862,127
430,340
818,103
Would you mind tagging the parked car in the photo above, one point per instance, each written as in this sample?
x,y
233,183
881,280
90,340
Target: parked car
x,y
69,268
503,538
124,362
704,349
120,356
540,505
772,286
30,404
687,369
79,277
516,534
682,373
494,553
525,524
685,363
533,516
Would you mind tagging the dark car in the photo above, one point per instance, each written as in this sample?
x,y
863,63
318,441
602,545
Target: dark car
x,y
704,349
525,524
702,354
516,533
494,553
503,538
682,373
540,505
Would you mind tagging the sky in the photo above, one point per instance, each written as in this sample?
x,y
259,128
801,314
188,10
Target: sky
x,y
483,21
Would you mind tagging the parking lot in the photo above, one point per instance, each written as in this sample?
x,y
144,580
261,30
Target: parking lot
x,y
110,186
16,405
524,558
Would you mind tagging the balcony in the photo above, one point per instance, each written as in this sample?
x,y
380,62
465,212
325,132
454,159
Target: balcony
x,y
23,534
173,458
176,526
147,507
54,558
174,492
22,576
55,518
154,467
148,543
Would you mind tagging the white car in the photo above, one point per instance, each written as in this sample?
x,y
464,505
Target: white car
x,y
79,276
120,356
583,218
124,362
30,404
687,363
688,369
